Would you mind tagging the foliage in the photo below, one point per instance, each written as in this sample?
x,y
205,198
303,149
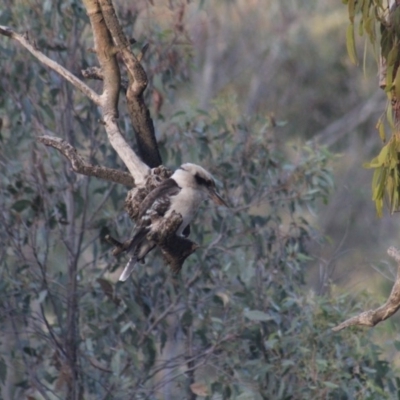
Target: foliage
x,y
238,322
386,175
374,16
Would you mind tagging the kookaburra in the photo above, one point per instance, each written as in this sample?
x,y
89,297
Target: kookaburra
x,y
182,193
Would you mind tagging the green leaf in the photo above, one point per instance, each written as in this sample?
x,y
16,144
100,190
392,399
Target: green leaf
x,y
350,44
365,11
245,396
374,163
331,385
150,352
256,315
389,78
369,27
116,362
42,296
288,363
79,203
389,116
352,9
392,56
381,129
3,371
21,205
384,154
187,319
396,84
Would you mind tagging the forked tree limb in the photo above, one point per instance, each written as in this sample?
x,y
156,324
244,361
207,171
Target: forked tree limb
x,y
138,111
106,53
109,40
373,317
82,167
108,100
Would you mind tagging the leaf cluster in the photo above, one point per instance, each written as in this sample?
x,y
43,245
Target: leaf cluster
x,y
374,14
386,175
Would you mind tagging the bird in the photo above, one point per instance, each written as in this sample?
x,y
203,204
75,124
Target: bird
x,y
181,194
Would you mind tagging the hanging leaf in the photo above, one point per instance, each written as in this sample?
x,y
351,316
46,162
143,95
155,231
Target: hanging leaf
x,y
365,11
389,116
374,163
352,10
392,56
381,129
396,84
369,26
350,43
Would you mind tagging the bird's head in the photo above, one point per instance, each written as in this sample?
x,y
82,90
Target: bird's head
x,y
196,177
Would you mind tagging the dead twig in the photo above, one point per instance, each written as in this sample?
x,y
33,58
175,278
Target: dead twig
x,y
80,166
373,317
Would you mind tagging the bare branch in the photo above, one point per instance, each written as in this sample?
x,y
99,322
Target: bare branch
x,y
138,111
108,100
81,167
373,317
136,167
106,54
24,41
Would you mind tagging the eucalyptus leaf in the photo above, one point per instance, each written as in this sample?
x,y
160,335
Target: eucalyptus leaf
x,y
256,315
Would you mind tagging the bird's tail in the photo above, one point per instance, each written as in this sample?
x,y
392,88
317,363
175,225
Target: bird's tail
x,y
128,269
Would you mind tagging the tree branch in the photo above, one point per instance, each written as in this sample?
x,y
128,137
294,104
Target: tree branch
x,y
373,317
24,41
108,101
81,167
138,111
106,54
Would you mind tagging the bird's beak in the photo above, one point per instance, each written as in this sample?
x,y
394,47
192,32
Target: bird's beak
x,y
217,199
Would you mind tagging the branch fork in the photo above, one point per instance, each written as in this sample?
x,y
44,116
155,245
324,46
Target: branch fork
x,y
145,168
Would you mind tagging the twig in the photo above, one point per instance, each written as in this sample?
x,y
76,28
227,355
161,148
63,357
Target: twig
x,y
373,317
24,41
81,167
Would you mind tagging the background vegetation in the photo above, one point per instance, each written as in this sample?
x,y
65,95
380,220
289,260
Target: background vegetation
x,y
239,87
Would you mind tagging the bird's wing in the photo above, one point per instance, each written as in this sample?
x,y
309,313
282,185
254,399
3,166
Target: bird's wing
x,y
155,205
159,199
